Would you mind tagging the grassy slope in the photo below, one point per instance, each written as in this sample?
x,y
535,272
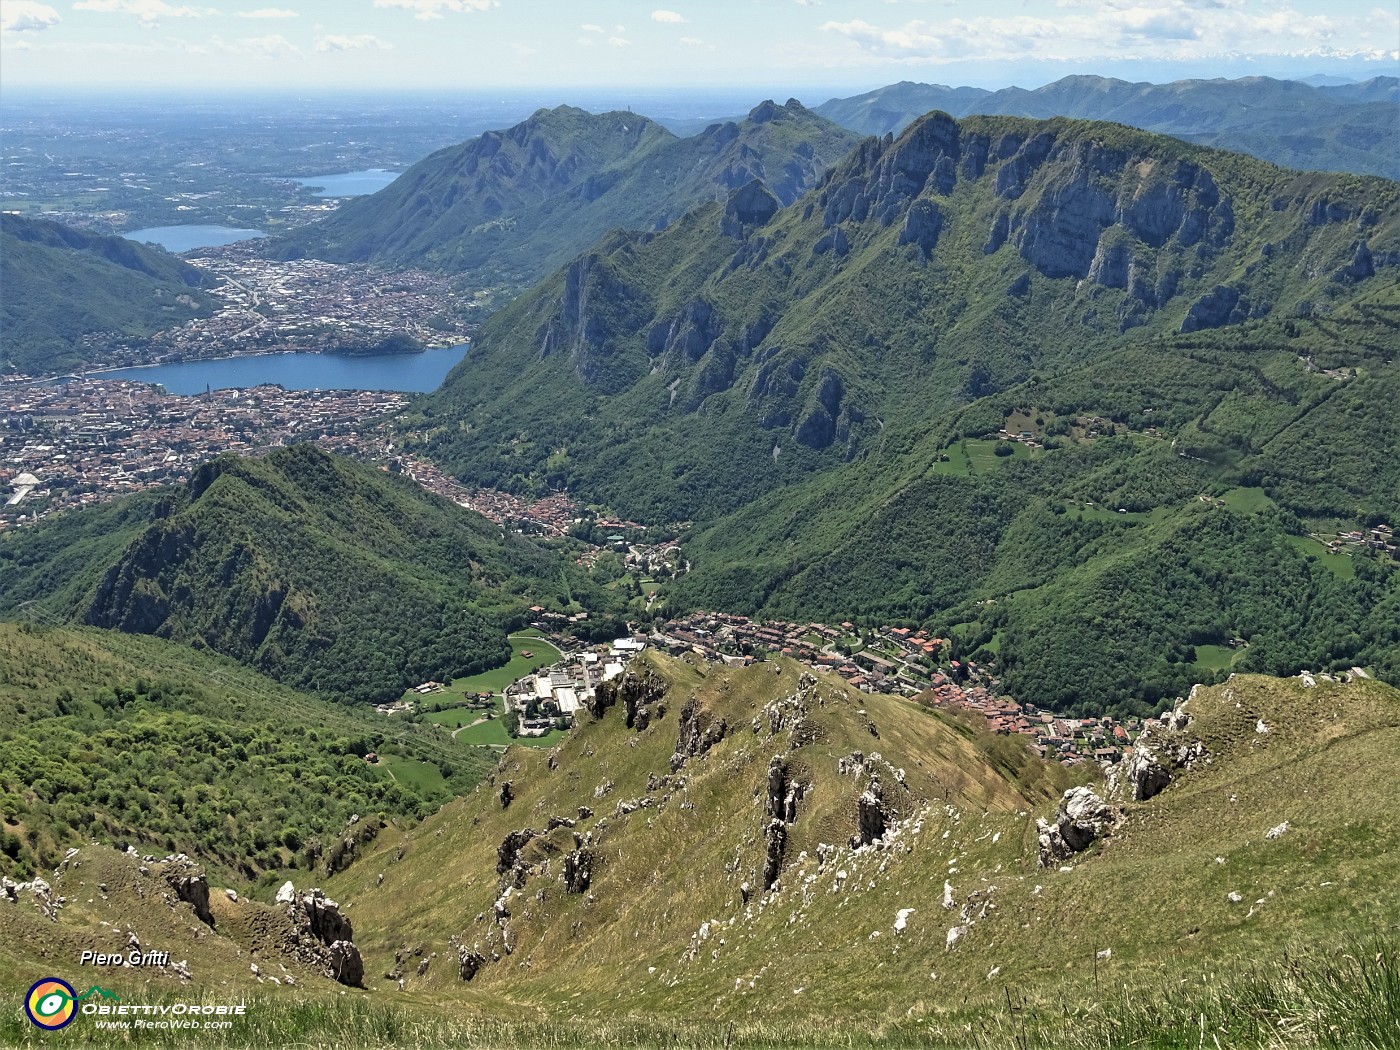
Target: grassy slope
x,y
1156,895
802,967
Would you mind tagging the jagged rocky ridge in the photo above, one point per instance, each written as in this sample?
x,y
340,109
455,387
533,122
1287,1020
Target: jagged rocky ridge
x,y
922,271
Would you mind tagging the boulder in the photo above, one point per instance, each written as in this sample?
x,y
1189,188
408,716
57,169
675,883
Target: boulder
x,y
469,962
1083,817
346,965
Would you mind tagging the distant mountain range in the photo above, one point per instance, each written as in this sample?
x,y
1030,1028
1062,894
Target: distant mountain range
x,y
64,286
512,205
1334,127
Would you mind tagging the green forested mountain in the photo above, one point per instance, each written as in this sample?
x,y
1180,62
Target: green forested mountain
x,y
1167,323
1349,127
128,740
325,574
750,344
515,204
1093,571
63,287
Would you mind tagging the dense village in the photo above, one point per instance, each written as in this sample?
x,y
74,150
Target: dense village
x,y
901,661
266,305
892,660
86,441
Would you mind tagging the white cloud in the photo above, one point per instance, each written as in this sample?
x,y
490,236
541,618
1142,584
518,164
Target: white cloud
x,y
150,12
268,12
667,17
692,41
1138,29
25,16
589,27
274,45
362,42
429,9
617,41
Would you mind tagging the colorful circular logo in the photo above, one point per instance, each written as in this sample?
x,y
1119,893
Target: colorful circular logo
x,y
51,1003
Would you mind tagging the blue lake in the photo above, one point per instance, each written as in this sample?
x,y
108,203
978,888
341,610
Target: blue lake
x,y
350,183
184,238
415,373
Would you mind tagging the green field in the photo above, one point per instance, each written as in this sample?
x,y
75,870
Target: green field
x,y
1341,564
1247,501
493,733
982,454
956,463
424,776
975,455
459,716
1097,513
496,680
1215,657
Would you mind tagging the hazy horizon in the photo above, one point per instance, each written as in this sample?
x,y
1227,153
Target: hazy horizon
x,y
748,47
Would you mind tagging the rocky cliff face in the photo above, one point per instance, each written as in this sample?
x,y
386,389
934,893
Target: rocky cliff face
x,y
948,264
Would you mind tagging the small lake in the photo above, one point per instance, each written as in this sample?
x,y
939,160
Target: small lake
x,y
413,373
350,183
185,238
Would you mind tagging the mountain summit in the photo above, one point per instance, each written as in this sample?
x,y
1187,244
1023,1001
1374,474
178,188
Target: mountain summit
x,y
922,272
515,204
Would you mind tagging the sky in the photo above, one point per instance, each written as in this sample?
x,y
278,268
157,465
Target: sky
x,y
816,47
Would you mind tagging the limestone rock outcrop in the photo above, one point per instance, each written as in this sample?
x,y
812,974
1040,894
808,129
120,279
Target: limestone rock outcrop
x,y
699,731
190,885
469,962
1083,818
748,207
638,692
1163,747
321,937
871,816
